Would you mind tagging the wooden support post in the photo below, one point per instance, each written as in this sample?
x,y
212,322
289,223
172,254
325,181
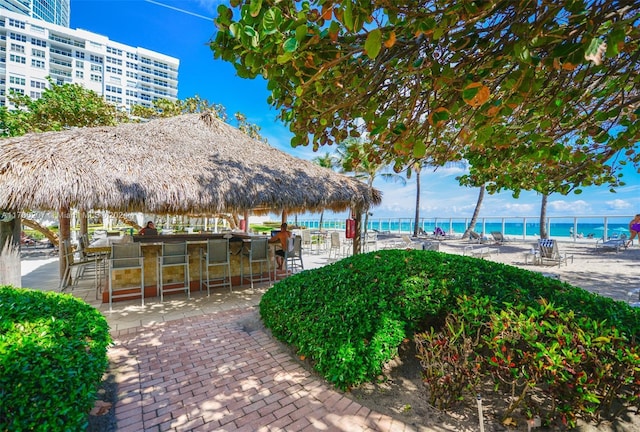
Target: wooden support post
x,y
84,223
64,233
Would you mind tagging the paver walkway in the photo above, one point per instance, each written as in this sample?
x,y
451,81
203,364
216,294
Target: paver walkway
x,y
223,372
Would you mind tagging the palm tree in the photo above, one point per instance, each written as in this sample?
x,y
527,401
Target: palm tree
x,y
476,212
326,161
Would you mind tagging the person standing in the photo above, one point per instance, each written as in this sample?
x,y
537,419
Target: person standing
x,y
634,229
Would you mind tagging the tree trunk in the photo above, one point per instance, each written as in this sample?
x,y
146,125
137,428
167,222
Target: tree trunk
x,y
476,213
543,216
84,223
10,272
64,233
321,217
415,227
53,237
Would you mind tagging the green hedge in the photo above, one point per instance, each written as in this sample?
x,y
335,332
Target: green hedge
x,y
53,354
349,318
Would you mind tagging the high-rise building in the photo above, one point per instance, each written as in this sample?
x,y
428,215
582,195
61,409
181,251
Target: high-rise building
x,y
51,11
31,50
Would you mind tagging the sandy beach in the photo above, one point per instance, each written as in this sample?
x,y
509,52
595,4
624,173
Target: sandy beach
x,y
602,271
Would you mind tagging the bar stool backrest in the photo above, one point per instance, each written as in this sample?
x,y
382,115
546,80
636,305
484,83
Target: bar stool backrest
x,y
174,253
217,251
259,249
126,255
296,249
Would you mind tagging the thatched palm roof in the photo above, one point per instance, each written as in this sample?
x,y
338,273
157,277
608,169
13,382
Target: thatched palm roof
x,y
189,163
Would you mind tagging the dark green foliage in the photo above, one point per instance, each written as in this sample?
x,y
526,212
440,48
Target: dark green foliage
x,y
474,318
52,357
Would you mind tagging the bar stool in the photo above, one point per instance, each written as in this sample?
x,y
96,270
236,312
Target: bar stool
x,y
293,257
81,265
218,255
173,255
126,256
257,253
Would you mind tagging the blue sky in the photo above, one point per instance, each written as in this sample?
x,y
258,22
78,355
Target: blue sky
x,y
182,29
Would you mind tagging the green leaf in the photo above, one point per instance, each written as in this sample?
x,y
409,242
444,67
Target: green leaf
x,y
254,7
373,44
290,45
613,39
485,134
249,31
470,93
348,16
301,32
284,58
419,149
271,21
521,52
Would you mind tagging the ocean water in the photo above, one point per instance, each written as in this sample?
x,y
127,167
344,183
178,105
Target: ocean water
x,y
558,227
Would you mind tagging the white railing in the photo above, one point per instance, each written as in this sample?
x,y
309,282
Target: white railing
x,y
599,226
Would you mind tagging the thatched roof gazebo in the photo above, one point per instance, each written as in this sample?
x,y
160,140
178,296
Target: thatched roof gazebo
x,y
192,163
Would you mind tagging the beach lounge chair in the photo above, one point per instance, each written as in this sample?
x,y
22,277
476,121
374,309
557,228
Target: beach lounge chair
x,y
407,243
611,244
498,237
474,237
480,252
549,253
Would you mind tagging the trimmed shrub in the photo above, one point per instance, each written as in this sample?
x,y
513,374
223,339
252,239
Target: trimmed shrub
x,y
53,354
350,317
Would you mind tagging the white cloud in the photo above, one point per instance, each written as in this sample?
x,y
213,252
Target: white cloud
x,y
618,204
578,207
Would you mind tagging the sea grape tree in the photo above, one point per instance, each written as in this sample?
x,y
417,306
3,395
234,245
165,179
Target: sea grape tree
x,y
506,81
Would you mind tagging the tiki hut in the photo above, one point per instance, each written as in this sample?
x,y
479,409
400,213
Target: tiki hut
x,y
192,163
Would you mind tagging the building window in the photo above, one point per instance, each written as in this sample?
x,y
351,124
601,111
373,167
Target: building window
x,y
39,64
39,42
16,90
96,68
16,80
35,95
16,23
96,78
113,89
17,48
79,54
38,53
80,74
115,51
114,61
18,59
38,84
114,70
95,59
80,64
17,37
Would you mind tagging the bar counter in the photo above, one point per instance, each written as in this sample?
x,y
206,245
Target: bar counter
x,y
151,247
